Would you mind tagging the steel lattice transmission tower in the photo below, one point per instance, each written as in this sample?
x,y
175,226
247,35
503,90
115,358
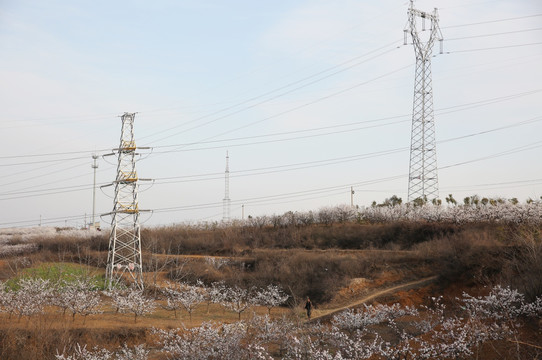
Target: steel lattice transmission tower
x,y
124,257
226,202
423,179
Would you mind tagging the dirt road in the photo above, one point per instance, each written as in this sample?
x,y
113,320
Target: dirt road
x,y
322,314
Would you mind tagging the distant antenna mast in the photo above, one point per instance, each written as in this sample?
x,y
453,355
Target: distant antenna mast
x,y
423,179
124,257
226,202
94,166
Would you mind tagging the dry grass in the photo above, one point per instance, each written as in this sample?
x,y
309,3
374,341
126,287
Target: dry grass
x,y
43,336
110,319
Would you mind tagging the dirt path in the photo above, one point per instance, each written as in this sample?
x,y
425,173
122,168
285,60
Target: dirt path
x,y
320,314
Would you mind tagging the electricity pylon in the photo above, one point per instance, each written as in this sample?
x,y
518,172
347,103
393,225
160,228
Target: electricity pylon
x,y
226,202
423,178
124,260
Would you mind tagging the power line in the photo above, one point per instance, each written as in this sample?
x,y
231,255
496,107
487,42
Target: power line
x,y
278,140
261,201
46,220
282,168
53,154
105,116
41,176
317,163
272,201
239,173
301,106
36,177
271,169
527,147
529,121
74,188
42,183
243,102
275,198
341,65
491,21
325,162
329,38
276,97
470,105
492,48
475,104
499,185
71,120
441,111
312,192
450,110
494,34
281,196
44,161
342,187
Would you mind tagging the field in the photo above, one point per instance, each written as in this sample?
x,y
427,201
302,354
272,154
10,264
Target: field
x,y
380,289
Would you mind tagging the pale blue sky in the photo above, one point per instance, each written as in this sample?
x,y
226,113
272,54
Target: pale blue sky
x,y
207,72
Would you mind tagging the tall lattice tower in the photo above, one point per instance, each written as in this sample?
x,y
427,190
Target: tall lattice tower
x,y
226,202
124,257
423,179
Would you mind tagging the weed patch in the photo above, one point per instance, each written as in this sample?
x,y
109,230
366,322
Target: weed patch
x,y
58,272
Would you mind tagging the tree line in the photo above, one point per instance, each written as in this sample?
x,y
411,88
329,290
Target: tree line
x,y
471,326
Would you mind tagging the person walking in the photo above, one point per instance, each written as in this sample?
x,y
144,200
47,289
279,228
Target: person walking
x,y
308,307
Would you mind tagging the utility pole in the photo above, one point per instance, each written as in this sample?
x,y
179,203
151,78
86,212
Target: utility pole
x,y
124,261
352,196
94,166
423,179
226,202
243,212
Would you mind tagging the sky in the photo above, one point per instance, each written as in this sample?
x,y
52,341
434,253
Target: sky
x,y
308,98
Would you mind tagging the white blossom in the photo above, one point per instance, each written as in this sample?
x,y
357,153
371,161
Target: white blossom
x,y
31,297
125,353
351,320
81,353
79,297
132,300
187,296
210,341
238,300
270,297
